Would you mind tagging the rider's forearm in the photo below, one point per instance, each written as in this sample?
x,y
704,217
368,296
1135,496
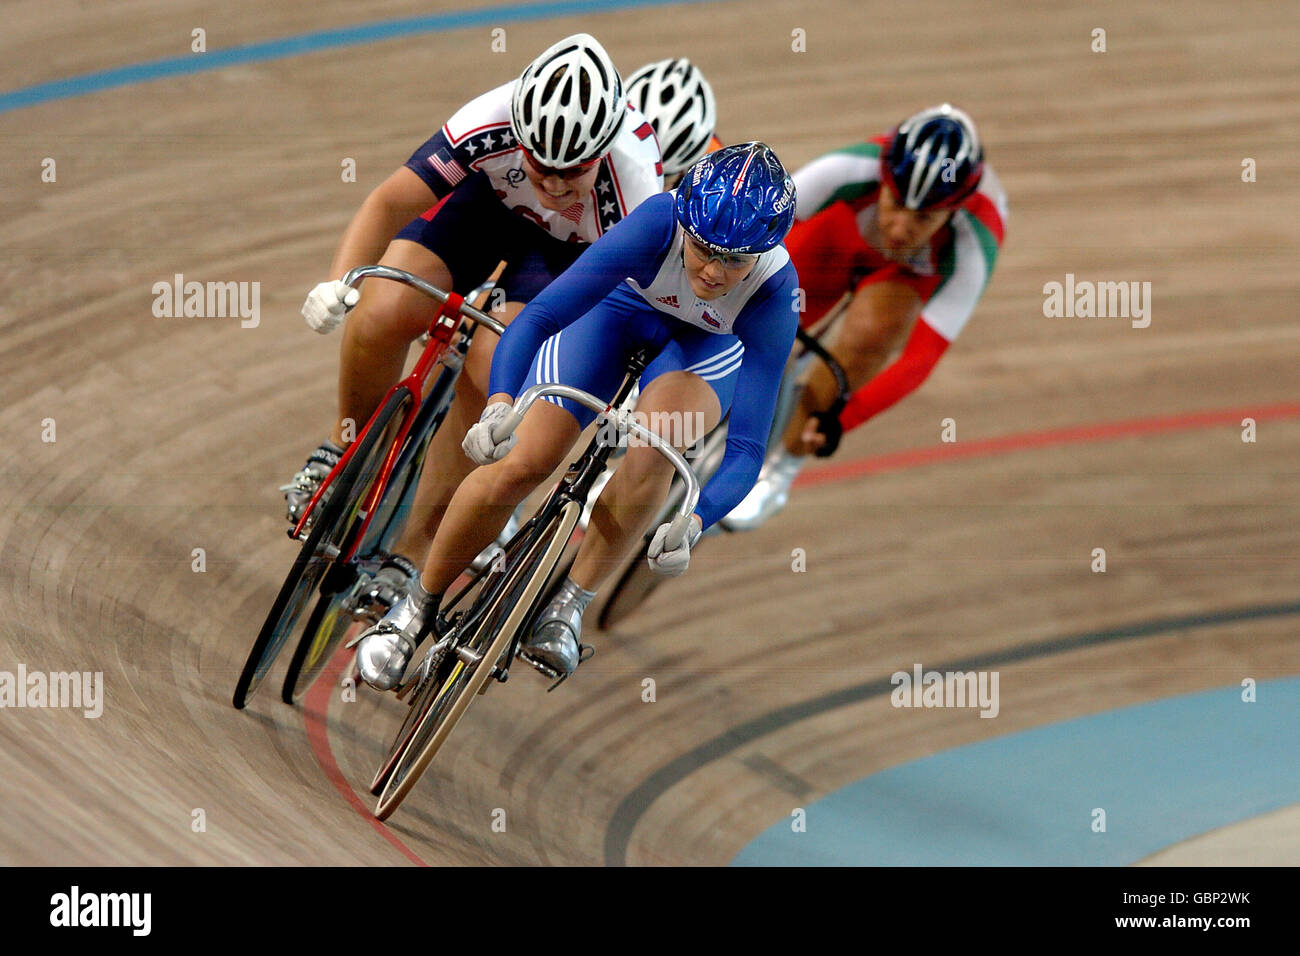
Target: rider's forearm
x,y
924,349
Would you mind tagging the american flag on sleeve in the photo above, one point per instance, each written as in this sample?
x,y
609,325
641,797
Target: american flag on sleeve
x,y
447,167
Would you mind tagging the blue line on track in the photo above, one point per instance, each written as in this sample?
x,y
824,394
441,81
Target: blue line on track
x,y
311,43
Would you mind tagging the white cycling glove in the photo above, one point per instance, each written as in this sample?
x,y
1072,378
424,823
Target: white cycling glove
x,y
672,563
327,304
478,443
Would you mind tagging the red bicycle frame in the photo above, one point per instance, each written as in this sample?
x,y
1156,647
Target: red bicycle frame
x,y
441,329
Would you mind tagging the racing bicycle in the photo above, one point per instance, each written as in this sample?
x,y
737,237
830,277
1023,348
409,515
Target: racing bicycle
x,y
478,630
361,505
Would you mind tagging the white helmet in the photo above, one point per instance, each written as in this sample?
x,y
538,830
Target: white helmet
x,y
677,100
569,104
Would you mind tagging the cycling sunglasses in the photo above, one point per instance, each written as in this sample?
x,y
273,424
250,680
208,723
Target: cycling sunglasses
x,y
573,172
729,260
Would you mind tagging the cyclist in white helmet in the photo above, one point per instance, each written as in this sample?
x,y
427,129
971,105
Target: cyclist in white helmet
x,y
678,101
531,172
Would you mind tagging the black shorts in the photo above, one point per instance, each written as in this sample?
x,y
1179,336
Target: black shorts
x,y
471,231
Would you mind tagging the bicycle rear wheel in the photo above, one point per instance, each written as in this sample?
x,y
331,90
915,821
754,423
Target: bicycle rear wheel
x,y
327,630
441,703
636,582
323,545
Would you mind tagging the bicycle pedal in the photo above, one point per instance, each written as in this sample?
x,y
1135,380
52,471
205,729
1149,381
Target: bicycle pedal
x,y
585,653
544,669
428,664
406,688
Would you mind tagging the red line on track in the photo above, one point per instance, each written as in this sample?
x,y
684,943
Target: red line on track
x,y
315,717
315,711
1104,431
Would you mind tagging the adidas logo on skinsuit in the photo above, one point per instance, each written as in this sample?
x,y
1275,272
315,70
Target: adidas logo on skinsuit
x,y
670,300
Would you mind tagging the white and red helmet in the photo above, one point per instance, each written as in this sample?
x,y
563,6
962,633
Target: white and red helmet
x,y
678,101
568,105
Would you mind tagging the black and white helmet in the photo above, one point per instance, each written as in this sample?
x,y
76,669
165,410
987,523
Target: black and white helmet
x,y
568,106
677,100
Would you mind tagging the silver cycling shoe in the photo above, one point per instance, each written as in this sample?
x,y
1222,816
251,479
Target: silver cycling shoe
x,y
373,599
298,492
553,646
770,492
384,651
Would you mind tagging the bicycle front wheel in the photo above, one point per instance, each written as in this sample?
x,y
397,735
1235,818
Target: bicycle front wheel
x,y
442,703
323,545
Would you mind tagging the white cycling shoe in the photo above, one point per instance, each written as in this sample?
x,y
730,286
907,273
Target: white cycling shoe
x,y
769,494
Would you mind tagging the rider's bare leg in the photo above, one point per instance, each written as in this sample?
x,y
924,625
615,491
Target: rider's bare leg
x,y
378,333
636,491
446,465
481,505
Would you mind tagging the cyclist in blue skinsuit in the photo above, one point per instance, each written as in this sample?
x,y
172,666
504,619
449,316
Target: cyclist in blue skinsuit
x,y
697,275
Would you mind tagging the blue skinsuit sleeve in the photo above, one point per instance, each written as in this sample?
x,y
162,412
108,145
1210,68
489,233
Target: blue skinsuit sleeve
x,y
634,248
766,327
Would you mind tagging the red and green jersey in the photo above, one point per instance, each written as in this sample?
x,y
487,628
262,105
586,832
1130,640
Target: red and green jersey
x,y
836,248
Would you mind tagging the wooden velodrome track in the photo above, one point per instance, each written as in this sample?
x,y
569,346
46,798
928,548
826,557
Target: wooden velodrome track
x,y
172,433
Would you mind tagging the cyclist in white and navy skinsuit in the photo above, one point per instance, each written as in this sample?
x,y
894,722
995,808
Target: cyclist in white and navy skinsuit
x,y
699,278
531,172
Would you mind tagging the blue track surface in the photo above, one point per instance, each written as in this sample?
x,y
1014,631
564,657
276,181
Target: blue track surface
x,y
1163,771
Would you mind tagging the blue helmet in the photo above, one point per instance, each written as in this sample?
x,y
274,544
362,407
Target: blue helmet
x,y
738,199
933,160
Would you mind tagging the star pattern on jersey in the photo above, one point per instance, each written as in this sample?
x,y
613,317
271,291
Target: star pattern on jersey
x,y
478,146
607,212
